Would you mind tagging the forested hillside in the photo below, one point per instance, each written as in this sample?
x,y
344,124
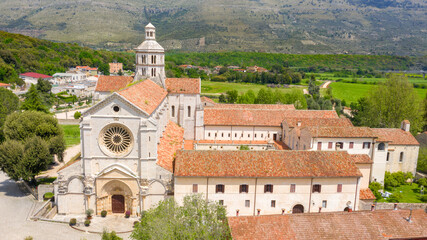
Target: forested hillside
x,y
20,54
379,27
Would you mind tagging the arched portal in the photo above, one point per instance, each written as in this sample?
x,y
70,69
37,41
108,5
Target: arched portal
x,y
116,197
298,209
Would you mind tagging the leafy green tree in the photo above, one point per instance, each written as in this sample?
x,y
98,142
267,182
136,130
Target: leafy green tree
x,y
33,101
389,181
390,103
222,98
24,160
232,96
395,197
313,89
77,115
375,187
422,160
195,219
9,103
425,114
104,68
422,182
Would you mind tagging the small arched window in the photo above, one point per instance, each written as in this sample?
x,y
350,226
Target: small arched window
x,y
381,147
189,111
173,111
401,157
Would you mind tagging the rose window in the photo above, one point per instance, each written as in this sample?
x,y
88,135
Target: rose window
x,y
116,139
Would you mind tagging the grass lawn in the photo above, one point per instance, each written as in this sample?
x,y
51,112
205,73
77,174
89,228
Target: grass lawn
x,y
351,92
414,78
216,88
411,193
72,134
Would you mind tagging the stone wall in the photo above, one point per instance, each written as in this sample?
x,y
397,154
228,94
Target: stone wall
x,y
381,205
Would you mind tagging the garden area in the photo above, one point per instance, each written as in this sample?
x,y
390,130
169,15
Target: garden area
x,y
71,134
400,188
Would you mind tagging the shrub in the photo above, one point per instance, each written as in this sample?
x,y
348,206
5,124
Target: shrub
x,y
422,198
244,147
375,187
103,213
89,212
395,197
48,195
127,214
110,236
135,223
77,115
422,182
73,221
29,238
87,223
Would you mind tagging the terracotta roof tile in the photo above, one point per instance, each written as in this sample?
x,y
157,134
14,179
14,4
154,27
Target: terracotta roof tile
x,y
243,117
238,142
172,140
112,83
264,164
183,85
395,136
366,194
376,225
35,75
208,100
315,121
255,106
4,85
361,158
343,132
146,95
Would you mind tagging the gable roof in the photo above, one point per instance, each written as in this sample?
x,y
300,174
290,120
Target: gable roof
x,y
146,95
35,75
183,85
366,194
112,83
172,140
343,132
376,225
315,121
255,106
395,136
264,164
361,158
207,100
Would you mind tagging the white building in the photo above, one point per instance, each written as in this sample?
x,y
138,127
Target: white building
x,y
61,78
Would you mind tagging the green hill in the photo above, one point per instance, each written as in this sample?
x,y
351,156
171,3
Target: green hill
x,y
379,27
20,54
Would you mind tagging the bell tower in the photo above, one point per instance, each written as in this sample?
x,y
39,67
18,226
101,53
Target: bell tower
x,y
150,58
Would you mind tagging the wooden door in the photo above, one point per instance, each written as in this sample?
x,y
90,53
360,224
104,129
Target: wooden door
x,y
118,203
298,209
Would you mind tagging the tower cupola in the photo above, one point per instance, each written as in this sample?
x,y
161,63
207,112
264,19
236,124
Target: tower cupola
x,y
150,32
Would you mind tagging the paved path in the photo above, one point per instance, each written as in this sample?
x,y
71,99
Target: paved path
x,y
326,84
15,208
70,114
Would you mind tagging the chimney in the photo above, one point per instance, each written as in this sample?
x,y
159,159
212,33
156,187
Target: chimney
x,y
237,212
320,209
299,123
283,211
372,207
259,211
405,125
395,206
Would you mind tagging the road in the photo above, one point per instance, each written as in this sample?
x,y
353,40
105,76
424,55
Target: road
x,y
15,208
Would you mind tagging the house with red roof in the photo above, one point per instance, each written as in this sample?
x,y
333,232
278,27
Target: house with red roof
x,y
32,77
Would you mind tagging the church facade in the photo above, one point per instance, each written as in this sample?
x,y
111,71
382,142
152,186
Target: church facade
x,y
152,137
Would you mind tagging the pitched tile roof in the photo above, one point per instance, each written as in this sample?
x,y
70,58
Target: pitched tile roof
x,y
112,83
35,75
343,132
376,225
204,99
255,106
361,158
315,121
264,164
366,194
171,141
4,85
146,95
183,85
395,136
243,117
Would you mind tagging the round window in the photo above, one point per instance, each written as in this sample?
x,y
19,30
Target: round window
x,y
116,140
116,108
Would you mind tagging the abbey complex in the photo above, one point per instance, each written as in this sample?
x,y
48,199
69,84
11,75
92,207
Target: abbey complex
x,y
151,137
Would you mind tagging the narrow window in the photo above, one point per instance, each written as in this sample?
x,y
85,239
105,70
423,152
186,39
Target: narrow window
x,y
273,203
317,188
366,145
319,146
401,157
229,135
388,156
173,111
262,135
247,203
189,111
216,134
330,145
235,135
249,135
324,204
293,187
220,188
339,145
339,188
268,188
209,134
244,188
255,135
381,147
221,202
195,188
222,134
351,145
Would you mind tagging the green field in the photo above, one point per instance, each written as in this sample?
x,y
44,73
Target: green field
x,y
351,92
413,78
411,193
71,134
216,88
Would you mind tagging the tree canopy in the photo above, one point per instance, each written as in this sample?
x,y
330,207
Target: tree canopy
x,y
195,219
388,104
9,103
